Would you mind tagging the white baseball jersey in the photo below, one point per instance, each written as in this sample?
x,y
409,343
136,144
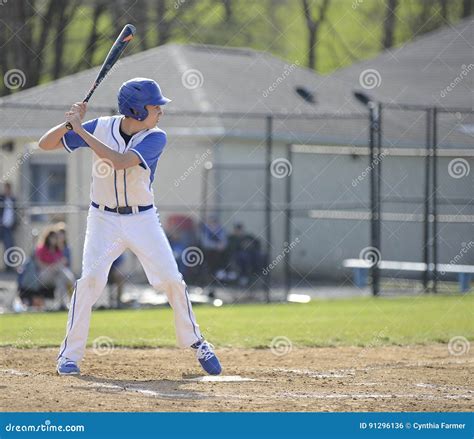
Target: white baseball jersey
x,y
124,187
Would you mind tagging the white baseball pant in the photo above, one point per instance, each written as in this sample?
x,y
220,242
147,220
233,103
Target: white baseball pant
x,y
108,235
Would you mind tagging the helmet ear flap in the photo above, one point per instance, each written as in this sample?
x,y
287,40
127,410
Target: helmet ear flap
x,y
136,114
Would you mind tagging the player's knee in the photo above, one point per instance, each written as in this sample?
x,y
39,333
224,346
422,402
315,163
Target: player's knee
x,y
169,282
93,281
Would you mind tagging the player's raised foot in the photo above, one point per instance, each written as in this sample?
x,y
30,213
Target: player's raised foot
x,y
206,356
67,367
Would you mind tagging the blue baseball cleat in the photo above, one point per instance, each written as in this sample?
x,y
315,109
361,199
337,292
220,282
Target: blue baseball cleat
x,y
206,356
67,367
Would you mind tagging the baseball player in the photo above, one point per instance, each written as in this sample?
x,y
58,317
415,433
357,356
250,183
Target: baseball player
x,y
122,215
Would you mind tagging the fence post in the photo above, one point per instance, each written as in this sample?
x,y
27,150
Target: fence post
x,y
373,196
288,213
434,201
426,225
268,204
378,167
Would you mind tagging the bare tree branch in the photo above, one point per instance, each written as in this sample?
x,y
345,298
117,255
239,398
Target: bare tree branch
x,y
168,18
467,7
229,11
345,46
444,9
389,24
313,26
92,43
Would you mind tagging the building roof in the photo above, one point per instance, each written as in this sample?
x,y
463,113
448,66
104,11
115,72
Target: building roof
x,y
420,71
198,78
221,80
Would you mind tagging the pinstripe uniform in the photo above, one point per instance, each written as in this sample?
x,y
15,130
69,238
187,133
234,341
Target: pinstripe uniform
x,y
136,226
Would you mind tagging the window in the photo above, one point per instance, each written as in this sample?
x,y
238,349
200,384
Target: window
x,y
47,184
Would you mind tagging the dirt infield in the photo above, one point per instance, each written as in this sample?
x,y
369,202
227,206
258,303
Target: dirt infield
x,y
417,378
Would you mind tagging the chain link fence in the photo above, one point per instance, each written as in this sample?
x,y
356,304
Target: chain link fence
x,y
322,199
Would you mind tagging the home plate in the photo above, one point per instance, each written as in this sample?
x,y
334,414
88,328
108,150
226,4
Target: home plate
x,y
220,379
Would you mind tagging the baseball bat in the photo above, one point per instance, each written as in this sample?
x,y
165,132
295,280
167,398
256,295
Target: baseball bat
x,y
114,54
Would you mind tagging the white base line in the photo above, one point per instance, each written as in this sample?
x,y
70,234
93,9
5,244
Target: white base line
x,y
344,373
282,395
285,395
220,379
14,372
145,392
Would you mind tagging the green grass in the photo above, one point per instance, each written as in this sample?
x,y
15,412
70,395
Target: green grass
x,y
356,322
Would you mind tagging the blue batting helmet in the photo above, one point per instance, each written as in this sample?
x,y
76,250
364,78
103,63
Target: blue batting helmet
x,y
136,93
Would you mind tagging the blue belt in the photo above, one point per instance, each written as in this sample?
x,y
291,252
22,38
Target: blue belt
x,y
124,210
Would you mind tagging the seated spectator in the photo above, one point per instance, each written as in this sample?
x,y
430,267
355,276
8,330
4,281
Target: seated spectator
x,y
244,253
214,243
31,293
52,269
181,233
183,229
62,243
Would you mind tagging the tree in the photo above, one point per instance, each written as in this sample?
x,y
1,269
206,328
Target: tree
x,y
169,17
21,50
229,10
313,25
93,39
141,12
389,24
467,6
64,15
